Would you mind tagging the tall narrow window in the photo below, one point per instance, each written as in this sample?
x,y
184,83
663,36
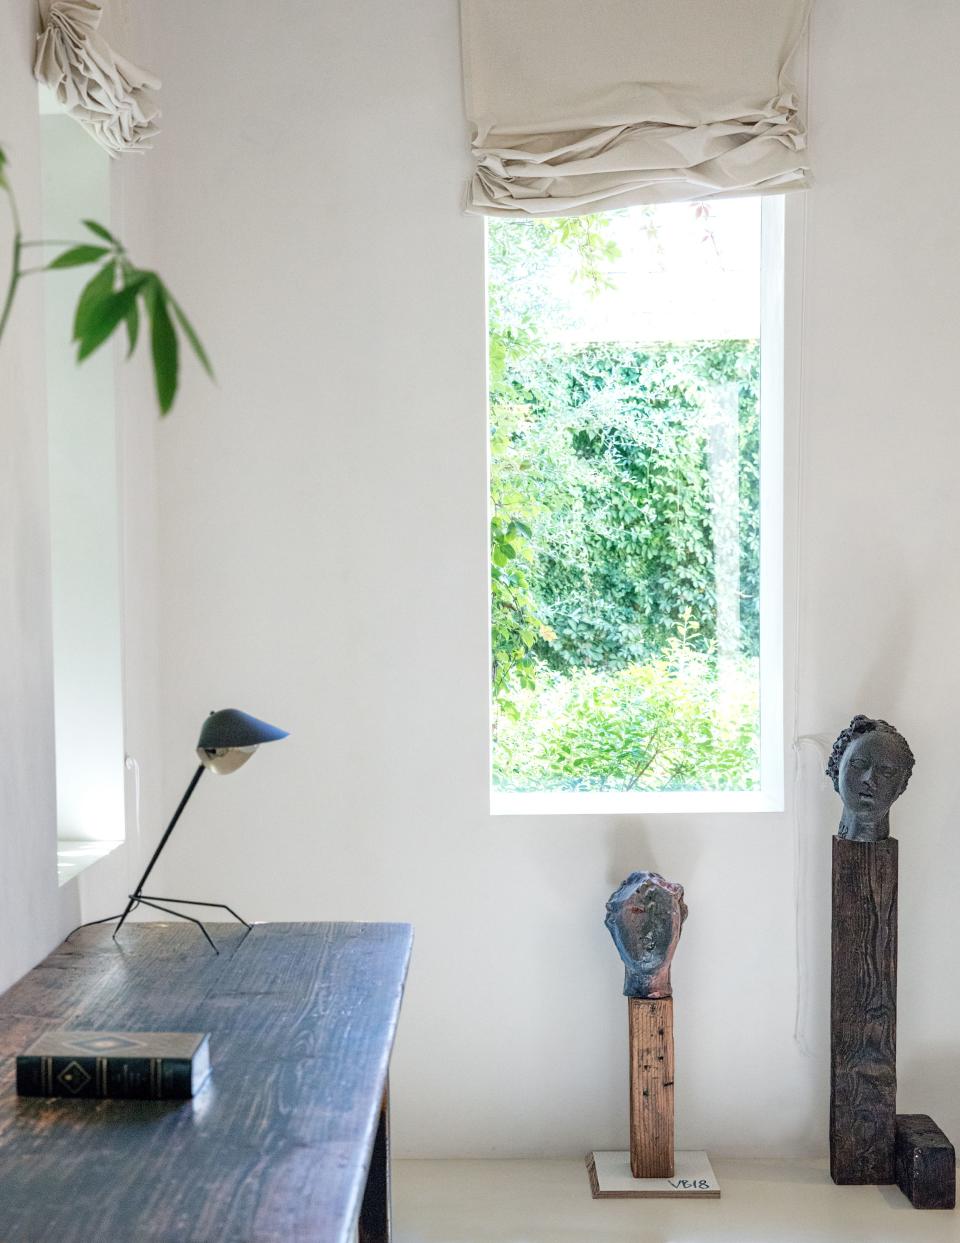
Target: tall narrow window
x,y
635,508
84,516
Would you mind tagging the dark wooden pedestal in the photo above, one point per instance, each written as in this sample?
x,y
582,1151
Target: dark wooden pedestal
x,y
863,1012
926,1163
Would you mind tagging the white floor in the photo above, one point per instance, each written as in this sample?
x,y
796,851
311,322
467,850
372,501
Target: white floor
x,y
550,1202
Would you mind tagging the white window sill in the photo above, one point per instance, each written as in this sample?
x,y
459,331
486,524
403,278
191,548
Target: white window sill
x,y
75,856
612,803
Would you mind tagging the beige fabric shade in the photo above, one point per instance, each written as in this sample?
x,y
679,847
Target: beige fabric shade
x,y
585,105
105,92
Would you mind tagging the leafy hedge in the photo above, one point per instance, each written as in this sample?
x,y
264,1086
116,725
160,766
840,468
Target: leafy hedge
x,y
622,539
674,723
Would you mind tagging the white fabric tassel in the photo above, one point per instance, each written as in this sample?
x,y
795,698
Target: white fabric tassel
x,y
106,93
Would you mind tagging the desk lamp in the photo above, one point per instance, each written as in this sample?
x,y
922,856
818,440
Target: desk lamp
x,y
227,740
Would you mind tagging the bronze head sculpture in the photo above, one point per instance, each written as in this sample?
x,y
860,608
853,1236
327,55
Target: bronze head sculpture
x,y
644,917
870,765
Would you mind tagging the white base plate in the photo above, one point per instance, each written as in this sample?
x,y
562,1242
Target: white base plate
x,y
693,1177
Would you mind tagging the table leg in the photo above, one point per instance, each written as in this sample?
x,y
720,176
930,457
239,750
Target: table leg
x,y
375,1209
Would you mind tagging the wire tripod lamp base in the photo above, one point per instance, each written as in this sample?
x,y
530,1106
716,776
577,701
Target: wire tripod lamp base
x,y
144,899
139,898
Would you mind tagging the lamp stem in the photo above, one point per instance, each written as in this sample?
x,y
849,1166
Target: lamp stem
x,y
135,896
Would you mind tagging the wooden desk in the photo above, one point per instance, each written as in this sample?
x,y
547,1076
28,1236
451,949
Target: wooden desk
x,y
278,1145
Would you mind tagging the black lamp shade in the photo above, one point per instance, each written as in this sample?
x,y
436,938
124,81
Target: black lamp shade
x,y
229,737
232,728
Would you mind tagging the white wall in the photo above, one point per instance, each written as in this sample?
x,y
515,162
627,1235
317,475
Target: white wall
x,y
322,530
29,910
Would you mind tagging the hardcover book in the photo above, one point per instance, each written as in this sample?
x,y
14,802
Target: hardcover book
x,y
122,1065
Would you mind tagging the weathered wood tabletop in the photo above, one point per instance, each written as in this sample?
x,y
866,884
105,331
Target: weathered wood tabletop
x,y
276,1147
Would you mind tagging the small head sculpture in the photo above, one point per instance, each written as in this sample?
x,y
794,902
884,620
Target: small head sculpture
x,y
644,917
870,765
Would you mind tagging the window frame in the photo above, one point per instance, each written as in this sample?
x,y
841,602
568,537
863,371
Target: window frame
x,y
770,796
92,805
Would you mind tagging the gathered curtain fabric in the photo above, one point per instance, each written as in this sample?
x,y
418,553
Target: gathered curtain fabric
x,y
109,95
585,105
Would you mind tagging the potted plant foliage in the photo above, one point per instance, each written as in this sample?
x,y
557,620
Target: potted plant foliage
x,y
118,293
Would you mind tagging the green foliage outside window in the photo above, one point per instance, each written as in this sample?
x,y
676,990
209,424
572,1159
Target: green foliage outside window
x,y
669,723
606,672
625,537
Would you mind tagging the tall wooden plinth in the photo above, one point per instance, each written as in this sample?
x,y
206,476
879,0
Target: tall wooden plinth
x,y
651,1087
863,1012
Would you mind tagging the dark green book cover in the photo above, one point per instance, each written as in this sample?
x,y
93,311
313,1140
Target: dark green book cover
x,y
122,1065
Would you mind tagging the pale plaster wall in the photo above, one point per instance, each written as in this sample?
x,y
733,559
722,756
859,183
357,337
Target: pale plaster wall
x,y
322,533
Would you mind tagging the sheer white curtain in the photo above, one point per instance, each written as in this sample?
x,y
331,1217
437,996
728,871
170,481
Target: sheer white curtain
x,y
584,105
109,95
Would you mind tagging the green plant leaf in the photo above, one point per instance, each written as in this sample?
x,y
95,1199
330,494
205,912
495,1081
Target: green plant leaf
x,y
94,292
192,337
101,231
78,255
104,318
133,326
133,278
163,345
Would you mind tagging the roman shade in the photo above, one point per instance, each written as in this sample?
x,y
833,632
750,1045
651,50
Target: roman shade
x,y
585,105
105,92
